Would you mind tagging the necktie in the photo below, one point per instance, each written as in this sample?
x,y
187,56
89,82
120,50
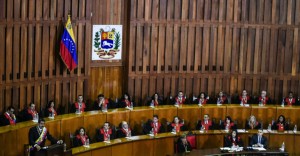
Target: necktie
x,y
259,139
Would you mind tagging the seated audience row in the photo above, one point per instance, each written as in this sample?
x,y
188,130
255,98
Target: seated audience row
x,y
102,103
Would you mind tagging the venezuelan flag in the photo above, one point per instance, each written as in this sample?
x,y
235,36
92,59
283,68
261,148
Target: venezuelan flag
x,y
68,50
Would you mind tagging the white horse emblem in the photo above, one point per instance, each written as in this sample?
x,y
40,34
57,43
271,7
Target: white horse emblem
x,y
105,43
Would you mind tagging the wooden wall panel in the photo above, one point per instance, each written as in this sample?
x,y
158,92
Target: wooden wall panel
x,y
30,60
106,80
218,45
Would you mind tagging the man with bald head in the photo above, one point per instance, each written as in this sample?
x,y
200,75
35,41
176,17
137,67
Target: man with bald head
x,y
124,130
263,99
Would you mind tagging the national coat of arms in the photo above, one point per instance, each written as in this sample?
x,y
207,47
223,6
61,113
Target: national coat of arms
x,y
107,42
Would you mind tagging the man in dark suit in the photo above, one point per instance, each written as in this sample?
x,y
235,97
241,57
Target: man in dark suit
x,y
37,137
258,140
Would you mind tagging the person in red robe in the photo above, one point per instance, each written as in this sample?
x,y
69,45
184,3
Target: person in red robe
x,y
155,100
177,125
50,110
30,113
233,140
79,106
101,103
263,99
124,130
280,124
252,123
205,124
244,98
106,133
8,118
81,138
290,100
180,99
153,126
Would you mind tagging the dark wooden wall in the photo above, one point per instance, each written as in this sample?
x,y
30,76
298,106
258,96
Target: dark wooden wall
x,y
168,45
31,69
213,45
108,77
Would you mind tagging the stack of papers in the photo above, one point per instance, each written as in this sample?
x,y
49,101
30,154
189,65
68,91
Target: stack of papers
x,y
241,130
259,148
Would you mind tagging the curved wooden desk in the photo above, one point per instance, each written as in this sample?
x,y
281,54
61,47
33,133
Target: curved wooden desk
x,y
13,138
163,144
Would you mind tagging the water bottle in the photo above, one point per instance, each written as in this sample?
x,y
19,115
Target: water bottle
x,y
282,103
131,105
202,128
104,107
79,108
34,117
152,103
65,147
200,102
108,138
241,102
87,142
152,132
226,127
218,101
182,121
37,116
282,146
295,128
174,129
260,103
269,127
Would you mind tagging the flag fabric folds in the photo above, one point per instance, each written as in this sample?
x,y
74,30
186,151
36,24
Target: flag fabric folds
x,y
68,51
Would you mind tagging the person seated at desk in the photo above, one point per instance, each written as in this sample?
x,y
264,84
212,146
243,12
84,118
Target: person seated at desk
x,y
228,124
205,124
258,140
125,101
244,98
8,118
179,99
233,140
290,100
176,126
105,133
102,103
263,99
81,138
202,100
183,145
50,110
37,137
280,124
79,106
31,113
155,101
124,131
153,126
252,123
221,99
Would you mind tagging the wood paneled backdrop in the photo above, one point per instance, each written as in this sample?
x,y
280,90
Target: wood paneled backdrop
x,y
169,45
31,69
213,45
